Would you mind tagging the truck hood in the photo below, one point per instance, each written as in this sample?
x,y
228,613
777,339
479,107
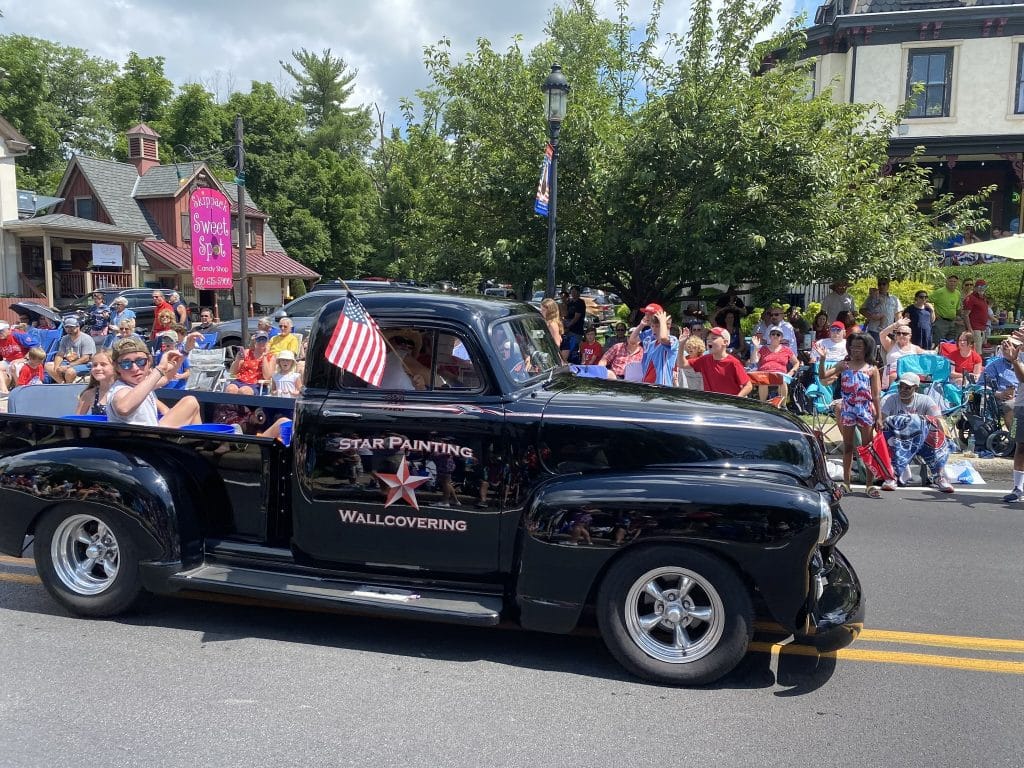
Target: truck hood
x,y
594,424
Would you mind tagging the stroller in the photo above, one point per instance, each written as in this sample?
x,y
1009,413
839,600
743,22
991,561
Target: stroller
x,y
981,415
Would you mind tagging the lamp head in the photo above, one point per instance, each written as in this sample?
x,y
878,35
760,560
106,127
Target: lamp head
x,y
556,88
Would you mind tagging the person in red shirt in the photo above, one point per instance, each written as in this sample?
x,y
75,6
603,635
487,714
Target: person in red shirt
x,y
33,371
722,372
252,366
963,356
976,312
162,308
776,364
590,349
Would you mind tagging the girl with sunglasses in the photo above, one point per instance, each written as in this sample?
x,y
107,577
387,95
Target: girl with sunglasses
x,y
131,399
896,346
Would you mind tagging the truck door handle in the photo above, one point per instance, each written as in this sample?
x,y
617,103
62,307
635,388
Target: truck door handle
x,y
341,414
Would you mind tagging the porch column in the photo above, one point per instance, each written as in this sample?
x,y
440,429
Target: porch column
x,y
48,271
88,280
132,249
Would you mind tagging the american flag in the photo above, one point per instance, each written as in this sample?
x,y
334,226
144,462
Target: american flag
x,y
357,345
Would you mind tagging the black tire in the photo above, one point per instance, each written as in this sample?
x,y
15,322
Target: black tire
x,y
718,644
94,591
1001,443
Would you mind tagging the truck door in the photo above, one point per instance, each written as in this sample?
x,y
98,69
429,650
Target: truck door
x,y
411,474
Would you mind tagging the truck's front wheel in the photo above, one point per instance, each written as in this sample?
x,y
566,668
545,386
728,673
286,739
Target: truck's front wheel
x,y
675,615
88,561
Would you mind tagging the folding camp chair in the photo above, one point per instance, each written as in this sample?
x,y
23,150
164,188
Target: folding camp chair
x,y
206,369
816,401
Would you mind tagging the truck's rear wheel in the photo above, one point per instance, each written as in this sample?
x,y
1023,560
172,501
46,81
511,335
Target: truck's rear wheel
x,y
88,561
675,615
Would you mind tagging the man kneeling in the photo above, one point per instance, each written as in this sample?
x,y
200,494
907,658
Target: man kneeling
x,y
912,428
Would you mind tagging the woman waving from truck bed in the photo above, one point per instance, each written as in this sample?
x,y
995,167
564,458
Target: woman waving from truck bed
x,y
131,399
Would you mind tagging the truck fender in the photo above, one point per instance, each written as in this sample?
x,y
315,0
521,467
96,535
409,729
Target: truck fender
x,y
560,565
157,490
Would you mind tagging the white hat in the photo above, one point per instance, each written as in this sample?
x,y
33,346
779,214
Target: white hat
x,y
910,379
286,354
5,326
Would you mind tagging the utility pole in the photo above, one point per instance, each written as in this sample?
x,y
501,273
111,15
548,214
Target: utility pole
x,y
243,267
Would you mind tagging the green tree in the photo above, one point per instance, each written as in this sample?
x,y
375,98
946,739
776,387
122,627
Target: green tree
x,y
733,172
54,95
196,125
324,86
140,94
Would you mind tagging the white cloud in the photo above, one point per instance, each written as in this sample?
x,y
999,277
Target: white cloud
x,y
235,43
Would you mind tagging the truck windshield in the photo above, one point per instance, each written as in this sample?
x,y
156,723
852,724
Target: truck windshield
x,y
525,348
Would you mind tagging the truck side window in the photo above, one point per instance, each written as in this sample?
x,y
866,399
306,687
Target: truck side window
x,y
423,359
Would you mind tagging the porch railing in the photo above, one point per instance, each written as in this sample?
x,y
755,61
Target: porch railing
x,y
111,279
70,284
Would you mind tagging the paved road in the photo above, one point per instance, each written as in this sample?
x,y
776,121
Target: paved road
x,y
191,682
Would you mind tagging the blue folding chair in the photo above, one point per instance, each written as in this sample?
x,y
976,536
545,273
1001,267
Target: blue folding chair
x,y
935,372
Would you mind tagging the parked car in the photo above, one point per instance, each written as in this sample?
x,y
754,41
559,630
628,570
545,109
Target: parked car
x,y
140,301
500,293
674,518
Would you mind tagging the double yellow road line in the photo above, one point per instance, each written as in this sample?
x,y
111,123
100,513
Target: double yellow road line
x,y
857,653
919,639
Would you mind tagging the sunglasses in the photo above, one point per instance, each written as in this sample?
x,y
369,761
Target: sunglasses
x,y
138,362
902,333
921,296
836,330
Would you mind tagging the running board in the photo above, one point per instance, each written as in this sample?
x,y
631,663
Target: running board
x,y
450,607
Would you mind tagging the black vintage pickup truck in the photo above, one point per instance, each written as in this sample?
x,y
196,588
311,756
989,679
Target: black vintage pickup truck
x,y
481,483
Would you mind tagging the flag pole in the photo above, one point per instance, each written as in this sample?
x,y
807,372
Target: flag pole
x,y
387,341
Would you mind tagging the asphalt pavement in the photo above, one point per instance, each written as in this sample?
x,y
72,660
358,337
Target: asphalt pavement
x,y
936,679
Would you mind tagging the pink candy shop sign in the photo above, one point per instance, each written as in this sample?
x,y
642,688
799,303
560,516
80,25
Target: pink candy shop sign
x,y
209,215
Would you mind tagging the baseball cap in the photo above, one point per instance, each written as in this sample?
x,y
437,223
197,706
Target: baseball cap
x,y
70,322
775,329
652,309
260,337
980,283
286,354
838,325
168,338
721,332
5,326
910,379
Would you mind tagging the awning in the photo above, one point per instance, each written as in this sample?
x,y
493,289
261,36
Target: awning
x,y
164,257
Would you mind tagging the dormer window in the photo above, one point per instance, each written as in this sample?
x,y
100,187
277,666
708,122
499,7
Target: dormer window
x,y
85,208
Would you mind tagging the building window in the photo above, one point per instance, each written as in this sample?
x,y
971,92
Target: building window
x,y
85,208
250,230
932,69
186,229
1018,102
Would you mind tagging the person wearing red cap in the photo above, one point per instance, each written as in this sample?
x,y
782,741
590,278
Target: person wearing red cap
x,y
722,372
976,313
661,348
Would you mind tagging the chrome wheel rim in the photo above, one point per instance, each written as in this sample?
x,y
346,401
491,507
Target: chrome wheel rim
x,y
674,615
85,554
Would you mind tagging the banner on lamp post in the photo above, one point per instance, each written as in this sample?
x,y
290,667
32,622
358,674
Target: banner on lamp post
x,y
540,205
209,215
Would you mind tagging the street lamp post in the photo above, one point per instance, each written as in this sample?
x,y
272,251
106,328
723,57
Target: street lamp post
x,y
556,91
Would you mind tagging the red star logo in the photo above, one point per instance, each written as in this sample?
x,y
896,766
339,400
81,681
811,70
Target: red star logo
x,y
401,485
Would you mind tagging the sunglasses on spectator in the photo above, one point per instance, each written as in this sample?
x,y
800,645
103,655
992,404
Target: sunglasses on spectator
x,y
835,330
902,333
921,296
138,362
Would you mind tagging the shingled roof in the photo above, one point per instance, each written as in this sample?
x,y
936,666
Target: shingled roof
x,y
114,185
852,7
163,181
68,223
